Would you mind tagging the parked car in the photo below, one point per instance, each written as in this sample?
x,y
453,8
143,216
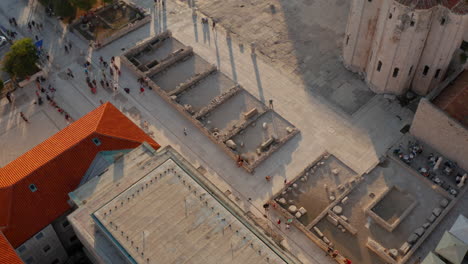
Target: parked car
x,y
3,41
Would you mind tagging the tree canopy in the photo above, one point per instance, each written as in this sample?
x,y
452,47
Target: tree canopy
x,y
21,60
83,4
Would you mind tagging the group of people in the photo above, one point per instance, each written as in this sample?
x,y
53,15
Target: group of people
x,y
49,94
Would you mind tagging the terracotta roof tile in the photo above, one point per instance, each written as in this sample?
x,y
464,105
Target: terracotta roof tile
x,y
56,167
7,253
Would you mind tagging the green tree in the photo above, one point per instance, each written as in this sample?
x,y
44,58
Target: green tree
x,y
64,8
1,86
21,60
83,4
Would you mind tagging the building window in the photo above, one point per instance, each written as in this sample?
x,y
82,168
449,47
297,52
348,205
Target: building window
x,y
390,16
369,1
437,73
426,70
410,70
32,187
22,249
65,223
395,72
30,260
46,249
96,141
347,40
379,66
73,238
412,23
442,21
56,261
39,236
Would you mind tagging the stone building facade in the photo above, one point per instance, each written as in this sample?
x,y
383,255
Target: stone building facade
x,y
403,44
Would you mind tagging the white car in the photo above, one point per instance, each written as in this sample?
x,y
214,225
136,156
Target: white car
x,y
3,41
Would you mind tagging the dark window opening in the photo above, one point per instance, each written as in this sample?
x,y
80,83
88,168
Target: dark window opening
x,y
437,73
379,66
412,23
39,236
426,70
65,223
347,40
442,21
369,1
32,187
464,46
96,141
22,249
73,238
410,70
395,72
46,249
390,16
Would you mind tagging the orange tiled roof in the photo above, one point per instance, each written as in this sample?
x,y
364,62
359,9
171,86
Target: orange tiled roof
x,y
7,253
56,167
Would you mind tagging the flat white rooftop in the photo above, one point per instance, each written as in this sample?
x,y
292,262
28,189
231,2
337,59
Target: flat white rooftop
x,y
166,214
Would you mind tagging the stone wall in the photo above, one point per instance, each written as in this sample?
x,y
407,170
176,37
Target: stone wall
x,y
435,128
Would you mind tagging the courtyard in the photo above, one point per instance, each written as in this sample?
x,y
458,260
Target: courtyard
x,y
108,22
377,218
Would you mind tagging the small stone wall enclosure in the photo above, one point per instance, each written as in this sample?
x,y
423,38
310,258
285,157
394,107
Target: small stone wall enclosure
x,y
440,131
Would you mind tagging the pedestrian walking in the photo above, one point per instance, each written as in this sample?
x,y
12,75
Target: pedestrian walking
x,y
70,45
14,21
111,72
33,23
66,49
288,227
102,83
279,221
214,25
10,21
101,60
24,117
8,96
41,26
270,103
142,90
101,102
334,254
185,131
86,72
36,37
107,84
112,59
70,73
29,26
127,90
94,82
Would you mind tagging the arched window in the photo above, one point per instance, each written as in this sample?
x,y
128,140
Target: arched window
x,y
379,66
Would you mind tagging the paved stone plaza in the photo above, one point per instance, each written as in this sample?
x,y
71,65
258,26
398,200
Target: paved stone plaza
x,y
297,67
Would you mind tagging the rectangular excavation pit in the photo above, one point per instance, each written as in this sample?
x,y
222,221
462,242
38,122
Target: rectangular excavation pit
x,y
316,187
391,207
201,94
158,51
261,131
180,72
231,113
